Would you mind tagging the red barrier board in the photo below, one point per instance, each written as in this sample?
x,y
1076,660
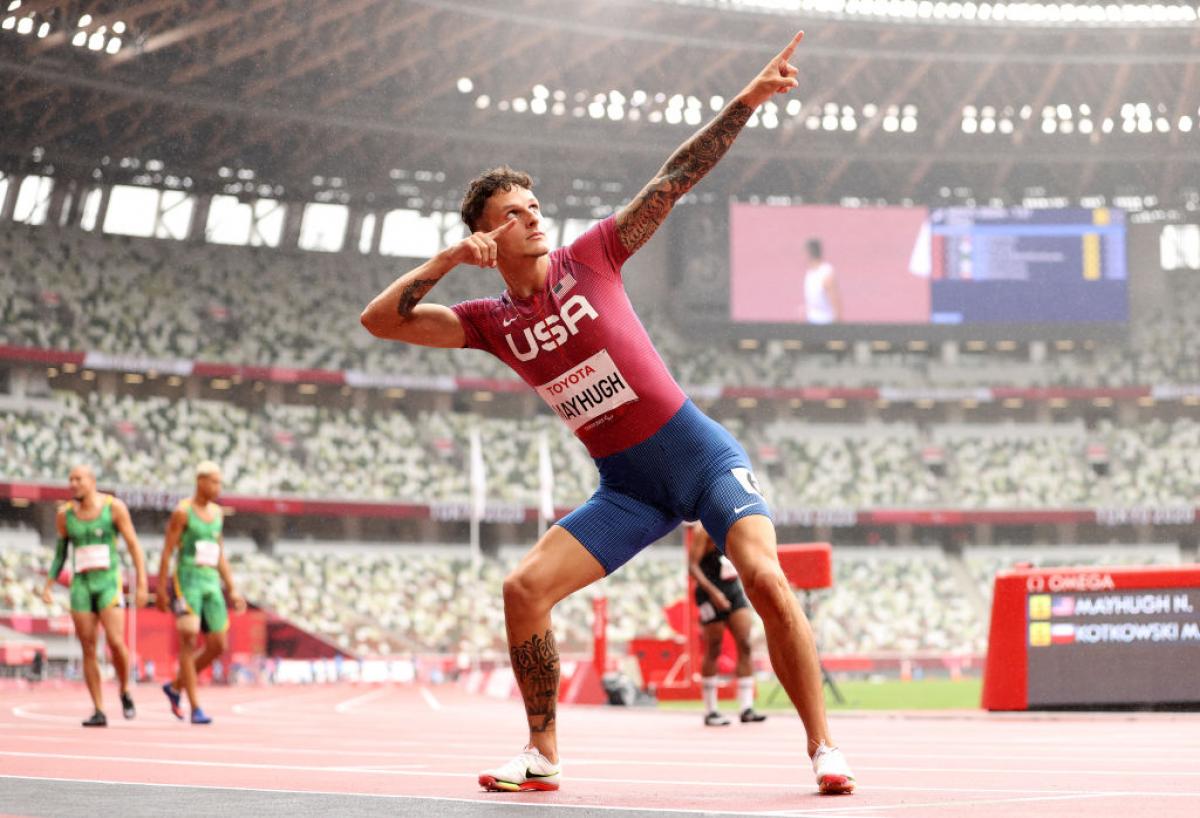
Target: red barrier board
x,y
1124,637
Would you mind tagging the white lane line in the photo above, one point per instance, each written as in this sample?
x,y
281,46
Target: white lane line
x,y
430,699
418,770
241,765
350,704
587,760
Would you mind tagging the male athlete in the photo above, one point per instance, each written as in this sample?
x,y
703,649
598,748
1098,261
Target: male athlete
x,y
721,602
565,325
199,605
89,524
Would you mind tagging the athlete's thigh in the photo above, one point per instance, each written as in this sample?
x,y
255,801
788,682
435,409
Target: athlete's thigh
x,y
558,565
613,527
750,546
113,620
214,616
714,633
86,623
732,495
740,623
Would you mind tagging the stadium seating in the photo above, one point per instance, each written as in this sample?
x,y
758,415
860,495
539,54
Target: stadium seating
x,y
69,289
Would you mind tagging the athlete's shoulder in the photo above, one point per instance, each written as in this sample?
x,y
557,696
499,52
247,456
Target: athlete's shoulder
x,y
184,505
599,248
64,507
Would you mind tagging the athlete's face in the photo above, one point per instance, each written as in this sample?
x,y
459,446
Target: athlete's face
x,y
82,483
209,485
527,239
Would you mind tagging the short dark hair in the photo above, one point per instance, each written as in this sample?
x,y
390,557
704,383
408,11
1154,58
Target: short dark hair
x,y
484,185
814,247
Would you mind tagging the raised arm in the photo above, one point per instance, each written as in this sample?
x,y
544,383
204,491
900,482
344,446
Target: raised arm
x,y
398,314
637,221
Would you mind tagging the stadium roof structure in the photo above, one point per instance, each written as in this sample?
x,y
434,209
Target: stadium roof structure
x,y
381,101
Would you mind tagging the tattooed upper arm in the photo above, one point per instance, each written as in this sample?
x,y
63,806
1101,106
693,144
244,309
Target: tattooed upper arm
x,y
637,221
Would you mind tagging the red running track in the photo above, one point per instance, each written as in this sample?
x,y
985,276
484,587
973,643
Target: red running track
x,y
406,742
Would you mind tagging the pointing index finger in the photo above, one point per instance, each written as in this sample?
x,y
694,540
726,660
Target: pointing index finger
x,y
790,48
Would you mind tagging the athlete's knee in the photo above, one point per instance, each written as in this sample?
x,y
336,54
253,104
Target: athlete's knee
x,y
216,642
712,649
743,646
767,586
523,590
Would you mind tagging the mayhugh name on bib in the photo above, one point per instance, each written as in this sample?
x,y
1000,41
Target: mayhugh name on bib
x,y
587,390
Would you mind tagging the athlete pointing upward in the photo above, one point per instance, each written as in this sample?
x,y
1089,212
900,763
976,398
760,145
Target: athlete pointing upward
x,y
565,325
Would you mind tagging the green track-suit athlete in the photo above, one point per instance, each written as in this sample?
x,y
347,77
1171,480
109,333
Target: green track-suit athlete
x,y
87,529
195,594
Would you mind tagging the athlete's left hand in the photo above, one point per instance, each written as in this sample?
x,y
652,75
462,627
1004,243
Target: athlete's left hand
x,y
141,598
239,602
778,77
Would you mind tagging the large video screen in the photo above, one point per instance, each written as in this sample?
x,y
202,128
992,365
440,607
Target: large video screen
x,y
824,265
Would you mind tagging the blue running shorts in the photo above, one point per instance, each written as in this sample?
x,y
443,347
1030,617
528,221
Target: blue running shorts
x,y
690,469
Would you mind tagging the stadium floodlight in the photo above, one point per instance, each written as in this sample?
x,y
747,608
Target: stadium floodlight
x,y
1006,126
119,27
558,109
14,5
85,21
482,101
596,110
465,85
9,23
908,124
540,91
538,105
969,126
638,98
674,116
1185,123
717,102
793,107
1085,126
96,41
114,45
692,116
520,105
25,25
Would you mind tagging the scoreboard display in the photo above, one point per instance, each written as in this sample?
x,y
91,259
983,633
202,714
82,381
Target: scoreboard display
x,y
1017,265
1094,638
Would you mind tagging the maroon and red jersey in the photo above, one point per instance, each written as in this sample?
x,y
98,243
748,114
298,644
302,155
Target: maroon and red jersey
x,y
580,345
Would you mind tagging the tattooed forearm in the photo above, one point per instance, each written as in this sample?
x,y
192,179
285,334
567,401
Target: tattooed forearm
x,y
412,295
637,222
535,664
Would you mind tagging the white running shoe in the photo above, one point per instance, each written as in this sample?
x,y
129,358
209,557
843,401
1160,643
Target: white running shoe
x,y
529,771
833,773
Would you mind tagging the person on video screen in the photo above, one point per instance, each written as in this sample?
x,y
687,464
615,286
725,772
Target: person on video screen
x,y
822,304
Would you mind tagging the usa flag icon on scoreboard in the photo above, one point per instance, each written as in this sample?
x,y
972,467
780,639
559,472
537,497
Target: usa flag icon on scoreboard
x,y
1063,606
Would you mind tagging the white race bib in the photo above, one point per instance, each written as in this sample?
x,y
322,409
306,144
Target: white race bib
x,y
588,390
92,558
208,553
